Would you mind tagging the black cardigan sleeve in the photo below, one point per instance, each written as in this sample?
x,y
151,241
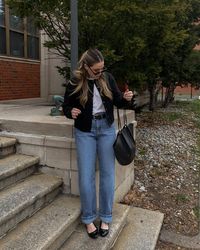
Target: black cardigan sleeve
x,y
69,100
118,99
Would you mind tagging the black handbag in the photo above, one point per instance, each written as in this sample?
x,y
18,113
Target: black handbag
x,y
124,145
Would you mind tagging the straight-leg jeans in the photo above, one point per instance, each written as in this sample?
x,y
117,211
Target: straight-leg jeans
x,y
92,145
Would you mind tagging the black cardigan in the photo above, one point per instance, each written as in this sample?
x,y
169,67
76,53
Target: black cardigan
x,y
84,120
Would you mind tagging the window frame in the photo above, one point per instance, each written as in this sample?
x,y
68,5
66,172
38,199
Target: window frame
x,y
25,34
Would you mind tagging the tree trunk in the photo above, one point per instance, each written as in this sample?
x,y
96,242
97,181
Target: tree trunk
x,y
152,97
157,90
154,89
169,95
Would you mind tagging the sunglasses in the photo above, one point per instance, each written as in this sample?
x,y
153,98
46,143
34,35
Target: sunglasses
x,y
98,72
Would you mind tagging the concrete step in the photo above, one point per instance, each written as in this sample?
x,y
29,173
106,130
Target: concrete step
x,y
25,198
46,229
79,240
141,231
59,127
7,146
34,119
16,167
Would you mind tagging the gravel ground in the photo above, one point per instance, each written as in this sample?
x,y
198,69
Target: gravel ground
x,y
167,168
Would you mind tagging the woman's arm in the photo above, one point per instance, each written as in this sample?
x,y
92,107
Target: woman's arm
x,y
120,99
68,101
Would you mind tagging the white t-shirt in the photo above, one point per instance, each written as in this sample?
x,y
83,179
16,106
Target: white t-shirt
x,y
98,106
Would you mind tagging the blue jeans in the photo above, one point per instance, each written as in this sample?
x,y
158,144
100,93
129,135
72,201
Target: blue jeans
x,y
92,145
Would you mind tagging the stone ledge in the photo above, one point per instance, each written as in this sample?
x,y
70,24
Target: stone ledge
x,y
141,231
190,242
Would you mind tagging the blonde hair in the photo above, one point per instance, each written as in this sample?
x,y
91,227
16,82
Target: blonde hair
x,y
89,57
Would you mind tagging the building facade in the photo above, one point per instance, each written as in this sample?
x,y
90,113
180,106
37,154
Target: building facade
x,y
27,69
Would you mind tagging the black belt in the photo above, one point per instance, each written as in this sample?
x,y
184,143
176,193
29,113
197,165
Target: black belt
x,y
99,116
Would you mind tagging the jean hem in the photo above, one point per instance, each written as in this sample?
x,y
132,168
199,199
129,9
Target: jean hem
x,y
106,218
88,220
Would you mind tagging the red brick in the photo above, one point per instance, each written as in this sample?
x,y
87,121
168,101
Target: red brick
x,y
19,80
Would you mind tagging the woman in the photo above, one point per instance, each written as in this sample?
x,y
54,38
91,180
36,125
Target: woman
x,y
89,100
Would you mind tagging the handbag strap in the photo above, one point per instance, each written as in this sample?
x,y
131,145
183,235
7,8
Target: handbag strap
x,y
124,116
119,119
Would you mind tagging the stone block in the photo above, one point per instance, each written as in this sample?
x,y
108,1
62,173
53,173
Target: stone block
x,y
64,174
122,172
57,141
74,183
58,158
73,157
35,150
124,187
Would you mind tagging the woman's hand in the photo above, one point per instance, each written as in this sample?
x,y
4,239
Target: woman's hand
x,y
128,95
75,112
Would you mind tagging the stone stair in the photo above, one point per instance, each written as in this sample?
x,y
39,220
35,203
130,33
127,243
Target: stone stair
x,y
141,231
132,229
35,215
7,146
46,229
120,213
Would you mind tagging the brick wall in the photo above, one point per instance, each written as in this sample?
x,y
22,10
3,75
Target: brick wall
x,y
19,79
186,91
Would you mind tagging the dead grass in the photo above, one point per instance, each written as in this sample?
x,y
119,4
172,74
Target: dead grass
x,y
180,204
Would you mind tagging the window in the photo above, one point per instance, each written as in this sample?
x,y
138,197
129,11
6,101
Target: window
x,y
2,29
33,39
18,37
16,44
2,13
33,47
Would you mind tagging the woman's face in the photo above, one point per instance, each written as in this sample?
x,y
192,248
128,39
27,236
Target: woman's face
x,y
95,70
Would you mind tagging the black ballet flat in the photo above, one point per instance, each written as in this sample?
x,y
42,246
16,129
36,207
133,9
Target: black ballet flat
x,y
94,234
103,232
